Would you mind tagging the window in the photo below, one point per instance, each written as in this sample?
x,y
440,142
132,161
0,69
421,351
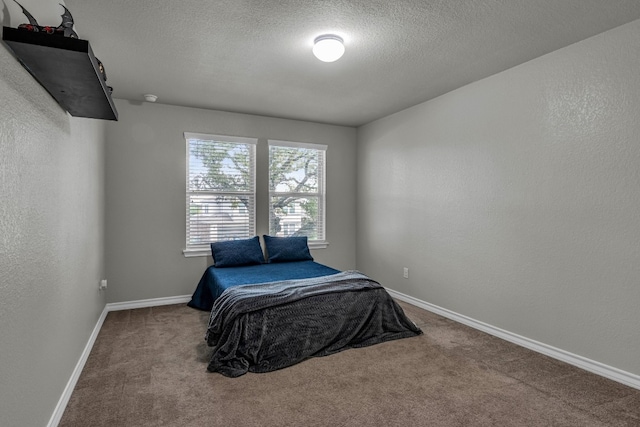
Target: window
x,y
221,194
297,189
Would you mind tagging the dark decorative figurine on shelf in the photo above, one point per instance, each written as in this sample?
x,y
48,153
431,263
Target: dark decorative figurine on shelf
x,y
103,74
64,29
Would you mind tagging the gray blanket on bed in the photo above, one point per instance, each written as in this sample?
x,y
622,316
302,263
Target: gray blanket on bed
x,y
264,327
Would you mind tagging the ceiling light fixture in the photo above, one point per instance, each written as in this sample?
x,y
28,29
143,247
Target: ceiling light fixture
x,y
328,47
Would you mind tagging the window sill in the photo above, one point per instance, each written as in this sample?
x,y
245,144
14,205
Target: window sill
x,y
318,245
206,251
195,252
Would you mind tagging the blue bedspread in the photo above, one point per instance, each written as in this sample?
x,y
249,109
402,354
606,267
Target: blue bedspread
x,y
215,280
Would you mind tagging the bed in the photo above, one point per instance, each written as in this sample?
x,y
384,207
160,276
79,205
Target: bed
x,y
268,316
216,280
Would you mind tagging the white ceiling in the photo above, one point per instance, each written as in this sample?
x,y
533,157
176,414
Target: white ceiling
x,y
254,56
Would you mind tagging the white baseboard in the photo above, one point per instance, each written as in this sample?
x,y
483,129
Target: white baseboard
x,y
75,375
598,368
143,303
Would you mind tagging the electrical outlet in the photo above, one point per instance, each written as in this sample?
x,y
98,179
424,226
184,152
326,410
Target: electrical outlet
x,y
405,273
103,284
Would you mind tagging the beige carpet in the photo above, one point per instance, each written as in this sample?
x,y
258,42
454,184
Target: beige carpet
x,y
148,368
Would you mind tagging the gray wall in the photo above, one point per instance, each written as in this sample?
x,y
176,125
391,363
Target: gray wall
x,y
51,244
145,175
515,200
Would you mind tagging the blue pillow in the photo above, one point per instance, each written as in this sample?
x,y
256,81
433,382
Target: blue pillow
x,y
285,249
233,253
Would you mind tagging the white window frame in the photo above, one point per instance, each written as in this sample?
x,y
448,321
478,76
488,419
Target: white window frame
x,y
205,249
321,194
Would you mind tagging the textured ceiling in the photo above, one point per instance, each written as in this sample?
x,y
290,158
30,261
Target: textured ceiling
x,y
255,56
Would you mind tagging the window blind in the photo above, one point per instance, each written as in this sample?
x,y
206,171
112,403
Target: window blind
x,y
297,189
220,192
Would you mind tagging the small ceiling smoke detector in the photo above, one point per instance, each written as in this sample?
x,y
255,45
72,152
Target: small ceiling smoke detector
x,y
150,98
328,47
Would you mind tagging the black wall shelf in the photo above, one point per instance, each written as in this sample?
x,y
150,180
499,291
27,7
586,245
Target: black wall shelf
x,y
66,68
